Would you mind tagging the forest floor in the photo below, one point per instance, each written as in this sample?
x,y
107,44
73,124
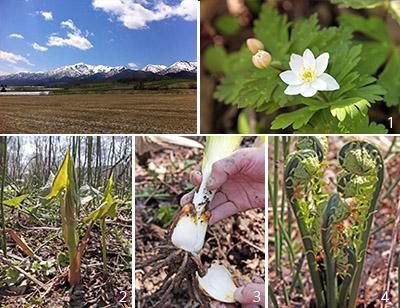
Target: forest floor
x,y
98,288
379,247
100,113
236,242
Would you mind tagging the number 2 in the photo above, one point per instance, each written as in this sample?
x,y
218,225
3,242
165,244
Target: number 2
x,y
122,300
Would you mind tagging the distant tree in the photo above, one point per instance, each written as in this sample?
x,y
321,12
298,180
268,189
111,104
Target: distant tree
x,y
3,88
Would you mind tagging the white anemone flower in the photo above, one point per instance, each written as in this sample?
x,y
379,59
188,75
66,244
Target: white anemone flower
x,y
307,76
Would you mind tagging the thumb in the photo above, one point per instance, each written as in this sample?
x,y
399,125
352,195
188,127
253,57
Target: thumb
x,y
252,293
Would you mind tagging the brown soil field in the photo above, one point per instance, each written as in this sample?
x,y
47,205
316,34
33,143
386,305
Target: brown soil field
x,y
99,113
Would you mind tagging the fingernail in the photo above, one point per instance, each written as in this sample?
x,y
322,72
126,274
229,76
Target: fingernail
x,y
210,181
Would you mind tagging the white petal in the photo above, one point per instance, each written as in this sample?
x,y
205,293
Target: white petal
x,y
309,59
290,77
319,84
322,63
331,83
296,63
308,91
293,90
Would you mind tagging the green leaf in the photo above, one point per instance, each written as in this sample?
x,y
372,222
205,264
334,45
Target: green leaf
x,y
213,59
390,80
373,56
272,29
227,24
323,121
16,201
373,27
297,118
349,107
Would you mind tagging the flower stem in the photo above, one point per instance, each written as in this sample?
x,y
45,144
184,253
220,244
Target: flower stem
x,y
277,66
323,96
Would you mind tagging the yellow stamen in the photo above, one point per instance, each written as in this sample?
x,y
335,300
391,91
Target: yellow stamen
x,y
308,76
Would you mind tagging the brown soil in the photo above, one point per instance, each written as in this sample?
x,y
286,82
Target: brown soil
x,y
99,113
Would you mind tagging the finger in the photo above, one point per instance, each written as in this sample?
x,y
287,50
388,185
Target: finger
x,y
218,199
195,178
221,170
252,293
257,279
222,211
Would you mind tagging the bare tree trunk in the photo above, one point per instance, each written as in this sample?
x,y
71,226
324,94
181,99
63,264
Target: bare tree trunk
x,y
98,161
89,159
49,159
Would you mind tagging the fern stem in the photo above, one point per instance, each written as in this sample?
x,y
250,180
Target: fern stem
x,y
365,235
331,281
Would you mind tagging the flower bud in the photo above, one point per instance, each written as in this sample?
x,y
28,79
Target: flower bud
x,y
261,59
254,45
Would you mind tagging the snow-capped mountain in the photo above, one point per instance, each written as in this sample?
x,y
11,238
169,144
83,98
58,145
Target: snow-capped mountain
x,y
180,66
154,68
82,71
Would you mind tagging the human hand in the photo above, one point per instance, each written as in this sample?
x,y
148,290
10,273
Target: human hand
x,y
240,183
251,295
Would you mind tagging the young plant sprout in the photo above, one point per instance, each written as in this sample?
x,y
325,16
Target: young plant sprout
x,y
335,228
65,188
307,76
218,284
107,208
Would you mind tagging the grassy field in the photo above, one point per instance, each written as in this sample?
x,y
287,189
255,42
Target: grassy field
x,y
100,113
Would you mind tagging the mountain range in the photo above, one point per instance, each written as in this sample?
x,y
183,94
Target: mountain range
x,y
82,71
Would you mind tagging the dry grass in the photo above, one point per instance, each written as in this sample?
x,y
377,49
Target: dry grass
x,y
97,113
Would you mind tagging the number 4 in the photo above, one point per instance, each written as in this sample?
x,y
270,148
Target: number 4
x,y
385,297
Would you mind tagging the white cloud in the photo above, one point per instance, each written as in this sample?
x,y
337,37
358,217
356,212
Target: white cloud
x,y
13,58
36,46
16,35
69,24
74,38
132,65
47,15
136,14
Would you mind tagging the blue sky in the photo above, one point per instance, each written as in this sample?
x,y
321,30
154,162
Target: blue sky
x,y
39,35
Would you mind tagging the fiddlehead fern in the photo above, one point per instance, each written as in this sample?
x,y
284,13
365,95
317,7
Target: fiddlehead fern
x,y
361,181
341,226
304,188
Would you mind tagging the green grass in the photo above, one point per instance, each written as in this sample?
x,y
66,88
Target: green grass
x,y
156,86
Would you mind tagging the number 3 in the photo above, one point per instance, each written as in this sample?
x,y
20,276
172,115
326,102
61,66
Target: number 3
x,y
257,296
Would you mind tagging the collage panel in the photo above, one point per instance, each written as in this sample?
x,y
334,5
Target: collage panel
x,y
98,67
66,221
334,221
199,221
309,67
